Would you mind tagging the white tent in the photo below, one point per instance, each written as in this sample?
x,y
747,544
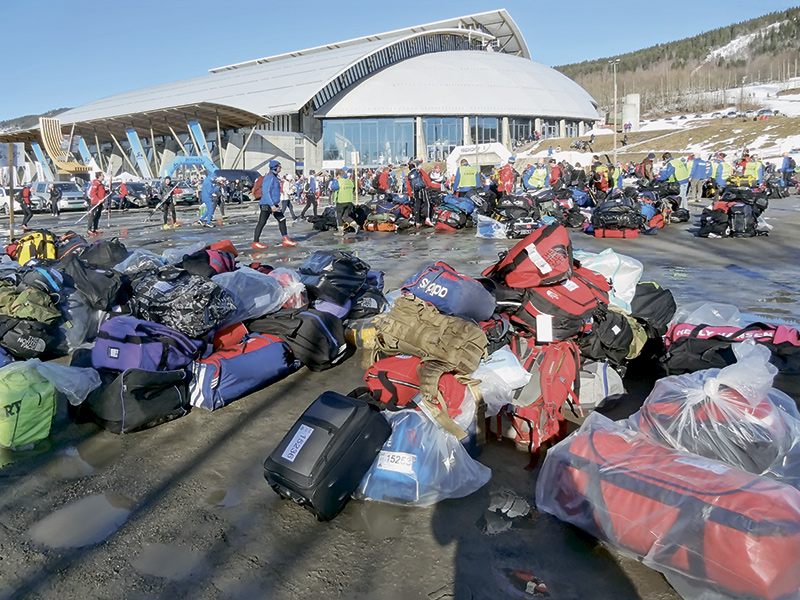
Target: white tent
x,y
484,154
126,177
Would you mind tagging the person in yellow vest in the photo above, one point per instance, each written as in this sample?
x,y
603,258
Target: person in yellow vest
x,y
754,169
675,169
537,176
721,171
467,178
343,198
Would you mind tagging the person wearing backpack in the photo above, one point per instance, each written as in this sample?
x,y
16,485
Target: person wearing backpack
x,y
343,195
257,187
270,205
310,195
24,201
97,196
55,197
417,184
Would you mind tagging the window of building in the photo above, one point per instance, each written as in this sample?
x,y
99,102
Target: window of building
x,y
377,141
572,129
487,131
550,128
442,134
521,129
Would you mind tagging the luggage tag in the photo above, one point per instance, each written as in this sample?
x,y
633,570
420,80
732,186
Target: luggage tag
x,y
544,329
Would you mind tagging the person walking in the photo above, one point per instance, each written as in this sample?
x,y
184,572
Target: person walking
x,y
788,166
343,192
122,192
55,197
97,196
24,200
270,205
287,194
311,195
167,198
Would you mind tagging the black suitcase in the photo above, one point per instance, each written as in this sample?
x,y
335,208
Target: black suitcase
x,y
327,452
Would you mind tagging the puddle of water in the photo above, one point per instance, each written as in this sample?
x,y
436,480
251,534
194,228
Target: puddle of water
x,y
378,520
88,457
224,498
83,523
167,561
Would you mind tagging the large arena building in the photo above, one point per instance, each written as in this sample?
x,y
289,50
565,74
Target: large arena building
x,y
378,99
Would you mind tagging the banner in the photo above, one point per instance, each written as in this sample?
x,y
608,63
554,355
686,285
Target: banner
x,y
19,154
197,132
41,160
83,150
138,153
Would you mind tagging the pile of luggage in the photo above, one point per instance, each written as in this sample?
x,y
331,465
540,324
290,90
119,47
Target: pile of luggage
x,y
156,335
736,214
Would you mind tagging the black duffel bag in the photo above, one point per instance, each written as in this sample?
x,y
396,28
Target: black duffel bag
x,y
136,399
333,275
610,339
104,254
315,337
102,289
27,339
188,303
654,307
617,214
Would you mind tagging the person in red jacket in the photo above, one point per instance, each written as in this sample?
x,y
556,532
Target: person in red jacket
x,y
505,177
419,193
97,196
556,174
24,200
123,196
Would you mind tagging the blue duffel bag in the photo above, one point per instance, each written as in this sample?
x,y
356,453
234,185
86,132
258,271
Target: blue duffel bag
x,y
451,293
465,204
581,197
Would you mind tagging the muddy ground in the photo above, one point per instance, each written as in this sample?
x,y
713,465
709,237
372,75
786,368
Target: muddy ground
x,y
183,511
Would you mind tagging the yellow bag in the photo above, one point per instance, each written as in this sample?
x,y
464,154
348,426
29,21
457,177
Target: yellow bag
x,y
39,244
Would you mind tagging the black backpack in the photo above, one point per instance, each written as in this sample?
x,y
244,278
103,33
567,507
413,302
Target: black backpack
x,y
654,307
102,289
610,339
104,254
315,337
741,220
333,275
713,222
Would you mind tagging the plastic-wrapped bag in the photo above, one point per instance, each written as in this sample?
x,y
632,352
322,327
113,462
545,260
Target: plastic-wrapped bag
x,y
421,464
705,313
713,530
727,415
496,393
175,255
623,271
139,260
506,365
294,291
599,380
490,229
256,294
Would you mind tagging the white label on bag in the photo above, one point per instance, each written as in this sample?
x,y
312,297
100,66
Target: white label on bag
x,y
570,285
537,259
616,330
399,462
705,464
544,328
163,286
298,441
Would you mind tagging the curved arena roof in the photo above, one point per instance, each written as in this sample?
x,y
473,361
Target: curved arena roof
x,y
448,83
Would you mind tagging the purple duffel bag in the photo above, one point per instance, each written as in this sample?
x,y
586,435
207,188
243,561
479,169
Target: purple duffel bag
x,y
129,343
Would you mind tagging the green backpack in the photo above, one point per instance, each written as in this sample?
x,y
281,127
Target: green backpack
x,y
35,305
27,406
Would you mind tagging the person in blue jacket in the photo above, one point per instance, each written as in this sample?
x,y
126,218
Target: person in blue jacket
x,y
787,170
467,178
209,188
270,204
701,170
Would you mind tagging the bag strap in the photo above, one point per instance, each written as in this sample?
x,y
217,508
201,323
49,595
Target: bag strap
x,y
435,406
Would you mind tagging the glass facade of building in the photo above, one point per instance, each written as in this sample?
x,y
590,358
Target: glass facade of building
x,y
521,128
488,130
378,141
442,134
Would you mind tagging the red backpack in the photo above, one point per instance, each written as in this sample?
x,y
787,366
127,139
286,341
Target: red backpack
x,y
535,414
542,258
257,192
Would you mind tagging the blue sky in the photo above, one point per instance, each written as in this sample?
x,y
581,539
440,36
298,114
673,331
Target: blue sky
x,y
59,53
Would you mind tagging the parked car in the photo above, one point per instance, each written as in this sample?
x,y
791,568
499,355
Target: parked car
x,y
682,118
71,195
4,201
716,115
138,194
698,117
246,176
765,112
731,114
749,113
185,193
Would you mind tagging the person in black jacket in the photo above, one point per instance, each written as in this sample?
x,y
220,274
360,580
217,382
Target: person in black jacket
x,y
578,178
55,197
165,193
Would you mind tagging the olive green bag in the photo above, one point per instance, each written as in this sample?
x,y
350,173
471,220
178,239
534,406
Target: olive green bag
x,y
35,305
27,406
444,344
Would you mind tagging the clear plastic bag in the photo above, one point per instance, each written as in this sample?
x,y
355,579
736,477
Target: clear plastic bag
x,y
139,260
506,365
727,415
255,294
74,382
623,271
490,229
421,464
496,393
713,530
705,313
294,291
175,255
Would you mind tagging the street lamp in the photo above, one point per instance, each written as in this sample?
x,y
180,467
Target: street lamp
x,y
741,95
614,64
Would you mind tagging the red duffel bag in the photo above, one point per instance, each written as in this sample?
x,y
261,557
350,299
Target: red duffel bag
x,y
704,524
